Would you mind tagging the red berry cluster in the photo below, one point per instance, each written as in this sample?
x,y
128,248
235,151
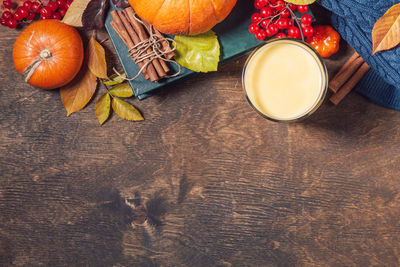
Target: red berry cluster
x,y
276,17
31,10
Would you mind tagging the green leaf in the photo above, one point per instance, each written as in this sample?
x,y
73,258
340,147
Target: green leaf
x,y
199,53
115,79
122,90
102,108
125,110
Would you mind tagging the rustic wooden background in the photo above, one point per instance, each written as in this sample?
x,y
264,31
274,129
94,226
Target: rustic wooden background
x,y
203,181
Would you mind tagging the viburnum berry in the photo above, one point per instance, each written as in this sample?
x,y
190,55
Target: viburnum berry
x,y
281,35
31,16
12,23
282,23
52,5
56,15
275,18
280,5
264,23
7,4
308,31
302,25
256,18
18,16
302,8
261,35
272,30
265,12
293,7
306,19
269,32
35,7
3,21
22,11
7,15
260,4
285,13
293,32
61,4
46,11
62,11
27,4
253,28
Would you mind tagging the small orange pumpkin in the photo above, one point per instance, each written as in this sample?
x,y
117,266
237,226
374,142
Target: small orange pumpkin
x,y
48,53
325,40
183,16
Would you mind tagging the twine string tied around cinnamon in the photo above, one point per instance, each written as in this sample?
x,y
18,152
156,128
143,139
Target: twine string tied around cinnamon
x,y
139,52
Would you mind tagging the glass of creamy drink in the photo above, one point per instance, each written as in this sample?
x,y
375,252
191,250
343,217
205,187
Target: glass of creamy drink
x,y
285,80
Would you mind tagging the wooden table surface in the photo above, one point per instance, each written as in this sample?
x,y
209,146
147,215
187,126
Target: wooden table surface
x,y
203,181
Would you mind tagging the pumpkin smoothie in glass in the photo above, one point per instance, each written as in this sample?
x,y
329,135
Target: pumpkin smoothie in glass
x,y
285,80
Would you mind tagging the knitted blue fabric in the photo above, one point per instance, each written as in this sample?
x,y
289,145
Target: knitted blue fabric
x,y
354,20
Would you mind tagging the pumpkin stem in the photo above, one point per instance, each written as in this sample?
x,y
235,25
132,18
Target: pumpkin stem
x,y
45,54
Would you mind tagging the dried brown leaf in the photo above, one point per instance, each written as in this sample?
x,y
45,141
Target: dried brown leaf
x,y
96,59
126,110
386,31
102,108
78,93
74,13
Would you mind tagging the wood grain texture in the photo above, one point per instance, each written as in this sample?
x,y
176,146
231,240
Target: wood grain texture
x,y
203,181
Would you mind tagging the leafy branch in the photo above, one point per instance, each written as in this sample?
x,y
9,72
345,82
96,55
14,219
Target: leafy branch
x,y
76,95
112,98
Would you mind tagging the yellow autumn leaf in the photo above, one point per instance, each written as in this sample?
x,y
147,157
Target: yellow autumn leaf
x,y
102,108
301,2
386,31
78,93
126,110
96,59
74,13
122,90
115,79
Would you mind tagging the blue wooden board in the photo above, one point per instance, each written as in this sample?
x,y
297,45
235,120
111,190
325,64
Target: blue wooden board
x,y
233,35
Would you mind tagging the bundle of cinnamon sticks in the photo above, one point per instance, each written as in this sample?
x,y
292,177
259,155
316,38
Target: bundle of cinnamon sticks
x,y
133,32
348,77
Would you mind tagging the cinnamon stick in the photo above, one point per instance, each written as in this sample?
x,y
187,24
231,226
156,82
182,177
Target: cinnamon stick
x,y
120,28
116,29
153,74
344,74
350,84
140,65
164,43
164,65
130,13
123,33
162,62
166,47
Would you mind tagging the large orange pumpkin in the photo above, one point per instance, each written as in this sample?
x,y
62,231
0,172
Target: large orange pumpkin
x,y
183,16
48,53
